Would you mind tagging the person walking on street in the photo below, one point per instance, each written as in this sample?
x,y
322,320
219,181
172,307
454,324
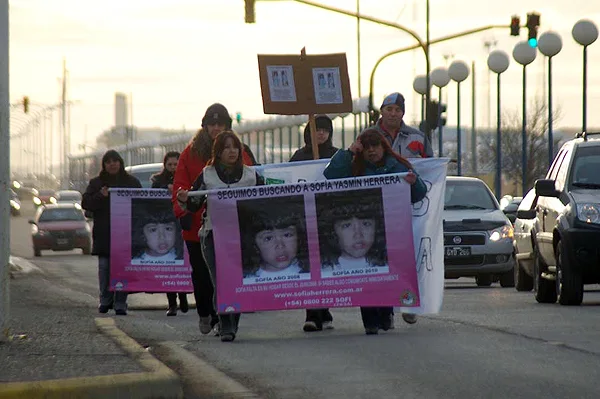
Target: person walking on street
x,y
224,169
317,319
164,179
96,200
192,161
371,154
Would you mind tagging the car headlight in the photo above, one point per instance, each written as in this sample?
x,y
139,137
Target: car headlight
x,y
15,204
500,233
589,213
52,200
37,201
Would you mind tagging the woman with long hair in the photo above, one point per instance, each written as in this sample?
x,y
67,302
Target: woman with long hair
x,y
371,154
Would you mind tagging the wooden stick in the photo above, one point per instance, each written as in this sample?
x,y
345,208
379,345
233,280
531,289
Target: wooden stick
x,y
312,124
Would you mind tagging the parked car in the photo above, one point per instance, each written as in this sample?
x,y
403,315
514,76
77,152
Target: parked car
x,y
566,228
68,196
44,196
523,242
15,204
60,227
509,205
144,172
478,237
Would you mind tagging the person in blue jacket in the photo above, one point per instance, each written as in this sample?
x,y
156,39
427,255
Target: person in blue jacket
x,y
371,154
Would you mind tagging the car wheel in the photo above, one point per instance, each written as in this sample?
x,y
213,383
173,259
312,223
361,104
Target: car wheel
x,y
545,290
484,280
523,281
87,250
37,252
569,283
508,279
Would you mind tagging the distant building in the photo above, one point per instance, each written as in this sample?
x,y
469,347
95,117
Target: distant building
x,y
121,112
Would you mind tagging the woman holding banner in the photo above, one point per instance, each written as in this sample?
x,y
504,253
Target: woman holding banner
x,y
164,180
192,161
317,319
96,200
371,154
225,169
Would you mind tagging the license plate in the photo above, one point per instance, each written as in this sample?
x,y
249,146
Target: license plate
x,y
457,252
62,241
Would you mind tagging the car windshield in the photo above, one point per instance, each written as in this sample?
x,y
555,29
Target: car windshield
x,y
144,177
64,197
60,215
45,193
468,195
585,168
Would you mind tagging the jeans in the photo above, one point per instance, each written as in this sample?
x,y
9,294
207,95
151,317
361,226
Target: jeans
x,y
379,317
172,298
229,321
203,286
117,299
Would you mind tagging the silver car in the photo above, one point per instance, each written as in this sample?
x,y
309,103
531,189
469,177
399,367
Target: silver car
x,y
478,237
144,172
523,242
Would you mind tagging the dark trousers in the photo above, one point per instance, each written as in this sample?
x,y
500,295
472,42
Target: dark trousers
x,y
376,317
228,321
172,297
318,316
117,299
203,286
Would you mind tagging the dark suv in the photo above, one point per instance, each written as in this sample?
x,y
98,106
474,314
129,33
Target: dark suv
x,y
566,231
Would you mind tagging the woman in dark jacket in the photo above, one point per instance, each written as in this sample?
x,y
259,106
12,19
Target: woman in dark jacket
x,y
317,319
96,200
164,179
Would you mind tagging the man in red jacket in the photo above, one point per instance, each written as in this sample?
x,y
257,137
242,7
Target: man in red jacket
x,y
191,162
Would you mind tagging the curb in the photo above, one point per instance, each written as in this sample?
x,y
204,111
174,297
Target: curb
x,y
158,382
18,265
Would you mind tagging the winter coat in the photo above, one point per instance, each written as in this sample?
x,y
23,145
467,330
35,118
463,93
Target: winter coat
x,y
162,179
409,142
326,150
340,167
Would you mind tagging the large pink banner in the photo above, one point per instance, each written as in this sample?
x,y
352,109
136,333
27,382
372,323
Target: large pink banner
x,y
147,252
334,243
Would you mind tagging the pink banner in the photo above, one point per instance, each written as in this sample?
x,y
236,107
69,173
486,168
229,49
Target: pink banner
x,y
335,243
147,252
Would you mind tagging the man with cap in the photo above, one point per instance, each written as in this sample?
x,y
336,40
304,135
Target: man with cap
x,y
405,140
191,162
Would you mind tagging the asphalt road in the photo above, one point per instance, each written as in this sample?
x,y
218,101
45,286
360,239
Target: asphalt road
x,y
486,343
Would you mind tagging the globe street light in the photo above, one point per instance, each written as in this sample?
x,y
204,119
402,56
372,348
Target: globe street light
x,y
458,72
440,78
585,33
550,44
420,86
524,54
498,62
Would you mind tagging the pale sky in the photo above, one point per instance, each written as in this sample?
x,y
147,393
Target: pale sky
x,y
176,57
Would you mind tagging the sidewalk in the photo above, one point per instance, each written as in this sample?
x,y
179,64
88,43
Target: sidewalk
x,y
59,349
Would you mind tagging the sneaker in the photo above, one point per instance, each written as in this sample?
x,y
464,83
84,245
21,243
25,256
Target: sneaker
x,y
215,330
227,337
310,326
410,318
371,330
172,311
328,325
204,325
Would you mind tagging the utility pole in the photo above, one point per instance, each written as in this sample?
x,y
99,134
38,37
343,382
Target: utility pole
x,y
63,127
489,45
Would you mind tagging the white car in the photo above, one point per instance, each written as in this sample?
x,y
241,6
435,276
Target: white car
x,y
144,172
523,242
478,237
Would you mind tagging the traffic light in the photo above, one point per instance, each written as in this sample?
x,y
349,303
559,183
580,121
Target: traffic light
x,y
435,114
443,109
533,22
26,104
238,117
515,25
250,16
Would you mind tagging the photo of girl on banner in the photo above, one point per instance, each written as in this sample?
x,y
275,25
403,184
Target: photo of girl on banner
x,y
274,240
155,233
351,233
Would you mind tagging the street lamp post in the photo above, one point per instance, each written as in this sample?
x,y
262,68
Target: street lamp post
x,y
420,86
498,62
550,44
585,33
458,72
524,54
440,78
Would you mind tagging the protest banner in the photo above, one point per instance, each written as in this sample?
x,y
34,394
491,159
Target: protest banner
x,y
147,250
334,243
426,219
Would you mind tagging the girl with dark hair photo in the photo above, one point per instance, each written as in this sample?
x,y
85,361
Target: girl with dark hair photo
x,y
352,233
273,238
371,154
155,233
225,169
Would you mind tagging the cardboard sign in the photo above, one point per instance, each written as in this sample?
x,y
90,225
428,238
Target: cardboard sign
x,y
305,84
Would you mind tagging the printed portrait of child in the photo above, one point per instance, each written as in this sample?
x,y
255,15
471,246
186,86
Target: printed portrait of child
x,y
155,234
351,233
273,239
